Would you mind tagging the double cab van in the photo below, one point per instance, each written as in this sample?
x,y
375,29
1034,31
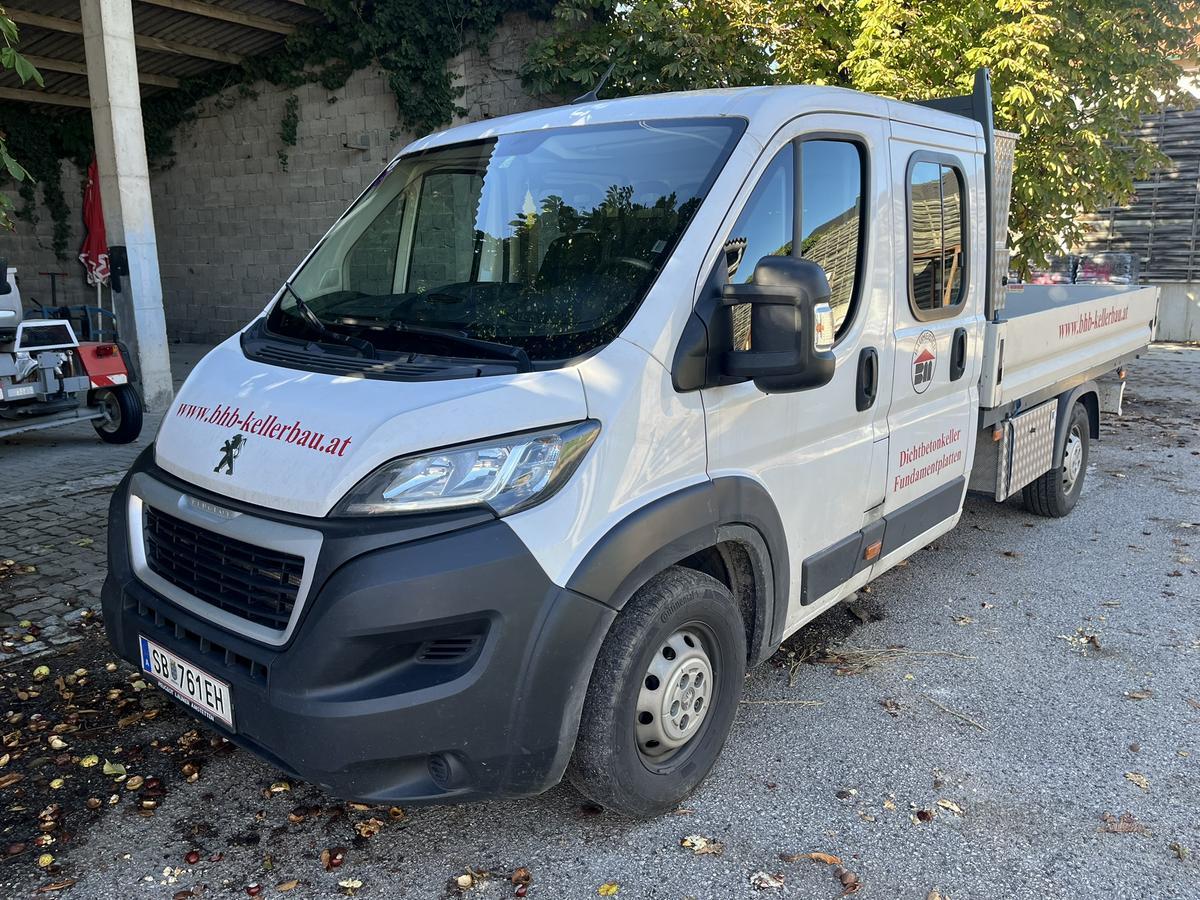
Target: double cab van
x,y
577,414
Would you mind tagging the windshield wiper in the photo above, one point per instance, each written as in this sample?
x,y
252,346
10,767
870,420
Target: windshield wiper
x,y
362,345
495,348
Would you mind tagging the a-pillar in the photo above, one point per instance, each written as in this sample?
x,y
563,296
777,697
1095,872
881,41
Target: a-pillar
x,y
125,188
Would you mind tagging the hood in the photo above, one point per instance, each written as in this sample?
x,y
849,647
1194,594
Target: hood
x,y
298,441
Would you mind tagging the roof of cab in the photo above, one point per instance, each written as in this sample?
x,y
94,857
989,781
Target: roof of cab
x,y
766,108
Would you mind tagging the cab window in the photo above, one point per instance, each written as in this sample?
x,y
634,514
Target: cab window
x,y
935,238
830,224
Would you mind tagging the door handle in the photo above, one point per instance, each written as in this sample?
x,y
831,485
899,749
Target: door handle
x,y
867,387
958,354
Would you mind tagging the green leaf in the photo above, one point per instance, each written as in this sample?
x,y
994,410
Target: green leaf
x,y
25,70
8,28
13,167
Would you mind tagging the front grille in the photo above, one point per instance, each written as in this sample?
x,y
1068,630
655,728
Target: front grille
x,y
255,583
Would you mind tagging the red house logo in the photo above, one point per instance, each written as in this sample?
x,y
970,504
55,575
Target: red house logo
x,y
924,361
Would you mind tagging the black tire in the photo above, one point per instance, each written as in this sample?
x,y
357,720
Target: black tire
x,y
123,423
609,765
1054,494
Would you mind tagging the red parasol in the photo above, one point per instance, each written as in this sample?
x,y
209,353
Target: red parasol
x,y
94,254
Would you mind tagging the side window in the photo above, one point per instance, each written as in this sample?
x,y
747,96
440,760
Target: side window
x,y
831,176
444,233
371,262
763,229
936,251
831,222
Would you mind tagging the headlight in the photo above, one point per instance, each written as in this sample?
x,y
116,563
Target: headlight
x,y
507,474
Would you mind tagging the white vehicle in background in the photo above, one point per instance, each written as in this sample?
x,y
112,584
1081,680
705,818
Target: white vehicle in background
x,y
577,414
49,377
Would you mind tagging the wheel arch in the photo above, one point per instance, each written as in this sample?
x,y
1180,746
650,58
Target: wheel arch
x,y
728,528
1086,394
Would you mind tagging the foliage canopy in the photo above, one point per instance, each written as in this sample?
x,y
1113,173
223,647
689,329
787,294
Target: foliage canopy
x,y
1071,78
13,61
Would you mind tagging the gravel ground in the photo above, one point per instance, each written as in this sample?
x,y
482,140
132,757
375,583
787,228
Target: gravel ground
x,y
981,761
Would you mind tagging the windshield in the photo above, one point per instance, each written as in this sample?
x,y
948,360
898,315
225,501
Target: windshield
x,y
541,243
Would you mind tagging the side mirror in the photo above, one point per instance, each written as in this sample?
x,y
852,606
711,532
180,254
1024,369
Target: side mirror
x,y
5,287
791,326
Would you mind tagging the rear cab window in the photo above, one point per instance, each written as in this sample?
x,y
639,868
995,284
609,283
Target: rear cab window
x,y
937,248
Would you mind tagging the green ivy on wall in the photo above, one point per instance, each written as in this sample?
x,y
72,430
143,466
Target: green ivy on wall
x,y
412,41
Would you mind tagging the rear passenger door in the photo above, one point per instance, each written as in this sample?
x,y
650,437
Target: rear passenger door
x,y
938,212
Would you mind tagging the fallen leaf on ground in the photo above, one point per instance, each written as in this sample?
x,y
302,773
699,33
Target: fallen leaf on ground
x,y
1139,779
111,768
1145,694
1125,824
290,885
333,857
701,845
608,889
521,876
369,828
1180,851
892,705
950,805
765,881
827,858
350,885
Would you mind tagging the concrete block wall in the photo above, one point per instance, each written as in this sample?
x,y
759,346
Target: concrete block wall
x,y
29,248
232,223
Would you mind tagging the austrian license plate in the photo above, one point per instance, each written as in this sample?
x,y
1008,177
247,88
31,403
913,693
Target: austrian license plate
x,y
207,695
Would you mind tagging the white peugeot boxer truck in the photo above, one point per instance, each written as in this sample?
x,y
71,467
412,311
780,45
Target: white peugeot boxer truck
x,y
576,414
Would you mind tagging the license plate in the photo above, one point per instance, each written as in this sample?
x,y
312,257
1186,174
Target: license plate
x,y
207,695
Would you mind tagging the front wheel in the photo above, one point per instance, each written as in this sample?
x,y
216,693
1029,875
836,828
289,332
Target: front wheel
x,y
663,695
121,422
1055,493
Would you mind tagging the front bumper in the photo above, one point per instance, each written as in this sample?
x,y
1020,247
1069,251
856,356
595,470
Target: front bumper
x,y
438,663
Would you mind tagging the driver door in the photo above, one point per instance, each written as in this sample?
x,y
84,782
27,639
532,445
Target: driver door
x,y
820,453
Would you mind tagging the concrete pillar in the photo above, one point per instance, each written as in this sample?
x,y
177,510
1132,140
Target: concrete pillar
x,y
125,188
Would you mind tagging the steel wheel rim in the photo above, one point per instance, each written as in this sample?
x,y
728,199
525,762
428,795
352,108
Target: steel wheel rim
x,y
675,696
111,410
1072,459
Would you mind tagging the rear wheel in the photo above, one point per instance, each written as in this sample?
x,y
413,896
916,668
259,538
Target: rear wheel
x,y
1056,492
663,695
121,421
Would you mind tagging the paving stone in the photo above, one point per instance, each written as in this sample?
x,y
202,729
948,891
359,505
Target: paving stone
x,y
23,610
